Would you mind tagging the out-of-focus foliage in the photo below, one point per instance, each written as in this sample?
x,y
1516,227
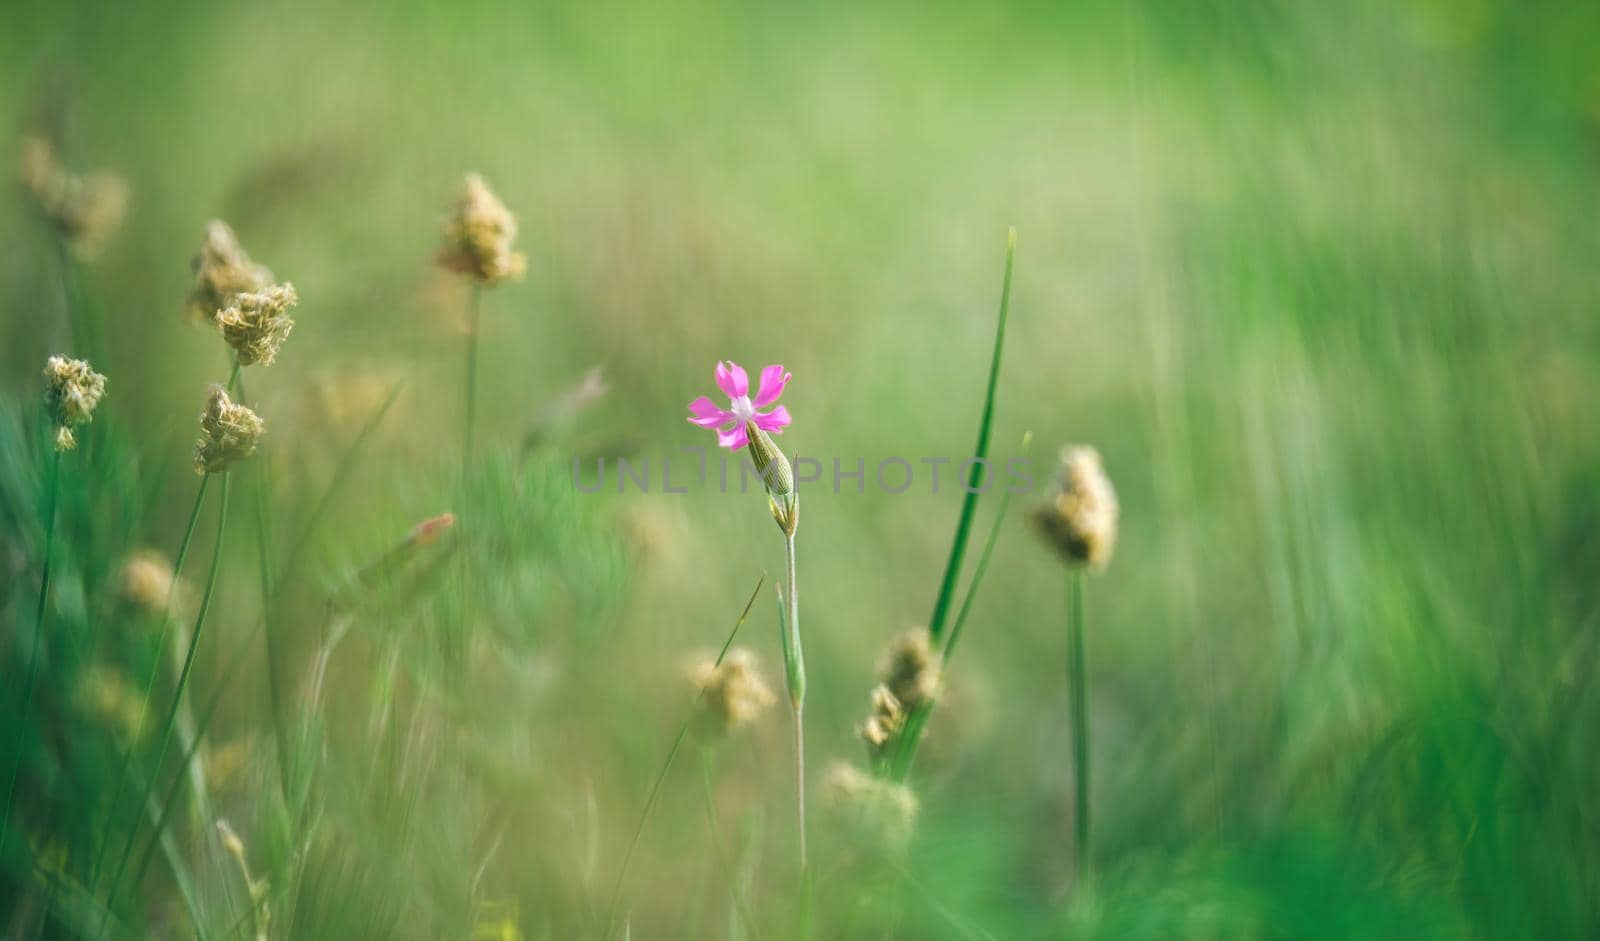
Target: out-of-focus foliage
x,y
1318,280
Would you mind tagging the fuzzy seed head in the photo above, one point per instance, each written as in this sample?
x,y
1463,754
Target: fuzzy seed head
x,y
229,432
909,669
105,695
86,210
881,812
256,323
146,582
1079,518
733,694
478,235
885,723
222,271
72,390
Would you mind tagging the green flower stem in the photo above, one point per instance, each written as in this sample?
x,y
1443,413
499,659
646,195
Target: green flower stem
x,y
794,662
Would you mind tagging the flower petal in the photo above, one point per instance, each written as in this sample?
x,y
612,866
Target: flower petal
x,y
732,380
733,440
772,421
773,379
706,413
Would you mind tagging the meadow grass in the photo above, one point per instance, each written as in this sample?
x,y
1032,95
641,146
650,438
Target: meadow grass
x,y
1317,280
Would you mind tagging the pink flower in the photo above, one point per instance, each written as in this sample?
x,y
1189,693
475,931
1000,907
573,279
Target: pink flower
x,y
730,423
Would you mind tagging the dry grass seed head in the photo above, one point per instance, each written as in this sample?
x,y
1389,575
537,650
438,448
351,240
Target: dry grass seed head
x,y
229,433
880,812
733,694
909,668
72,390
256,323
86,210
1079,518
478,236
222,271
885,722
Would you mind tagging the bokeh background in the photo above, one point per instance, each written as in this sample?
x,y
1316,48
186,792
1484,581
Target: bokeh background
x,y
1318,280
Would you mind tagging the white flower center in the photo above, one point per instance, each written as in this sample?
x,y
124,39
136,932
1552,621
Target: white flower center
x,y
742,409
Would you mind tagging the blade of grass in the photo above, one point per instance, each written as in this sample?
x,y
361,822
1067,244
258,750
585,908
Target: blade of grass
x,y
900,765
969,503
672,755
920,716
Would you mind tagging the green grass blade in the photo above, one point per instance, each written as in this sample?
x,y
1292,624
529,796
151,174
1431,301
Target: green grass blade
x,y
969,504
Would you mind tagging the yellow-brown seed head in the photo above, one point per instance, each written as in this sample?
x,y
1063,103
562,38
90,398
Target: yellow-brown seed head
x,y
72,390
228,433
881,813
146,582
256,323
222,271
478,236
86,210
105,695
909,668
1079,518
733,693
885,723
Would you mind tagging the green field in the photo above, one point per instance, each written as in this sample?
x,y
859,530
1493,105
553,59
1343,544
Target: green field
x,y
1320,282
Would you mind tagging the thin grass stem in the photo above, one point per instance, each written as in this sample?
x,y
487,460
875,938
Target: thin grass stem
x,y
666,766
150,681
178,693
1079,681
52,490
724,862
264,572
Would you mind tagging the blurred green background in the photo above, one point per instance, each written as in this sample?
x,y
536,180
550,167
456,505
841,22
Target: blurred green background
x,y
1318,279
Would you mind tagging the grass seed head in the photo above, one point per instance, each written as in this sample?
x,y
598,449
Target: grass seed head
x,y
478,234
885,723
256,323
105,695
146,581
909,668
1079,518
222,271
229,433
881,813
72,390
86,210
734,693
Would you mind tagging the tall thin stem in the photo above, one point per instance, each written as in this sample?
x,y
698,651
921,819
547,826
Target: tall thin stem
x,y
177,696
797,695
666,766
150,681
1079,681
469,423
474,317
52,491
264,572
